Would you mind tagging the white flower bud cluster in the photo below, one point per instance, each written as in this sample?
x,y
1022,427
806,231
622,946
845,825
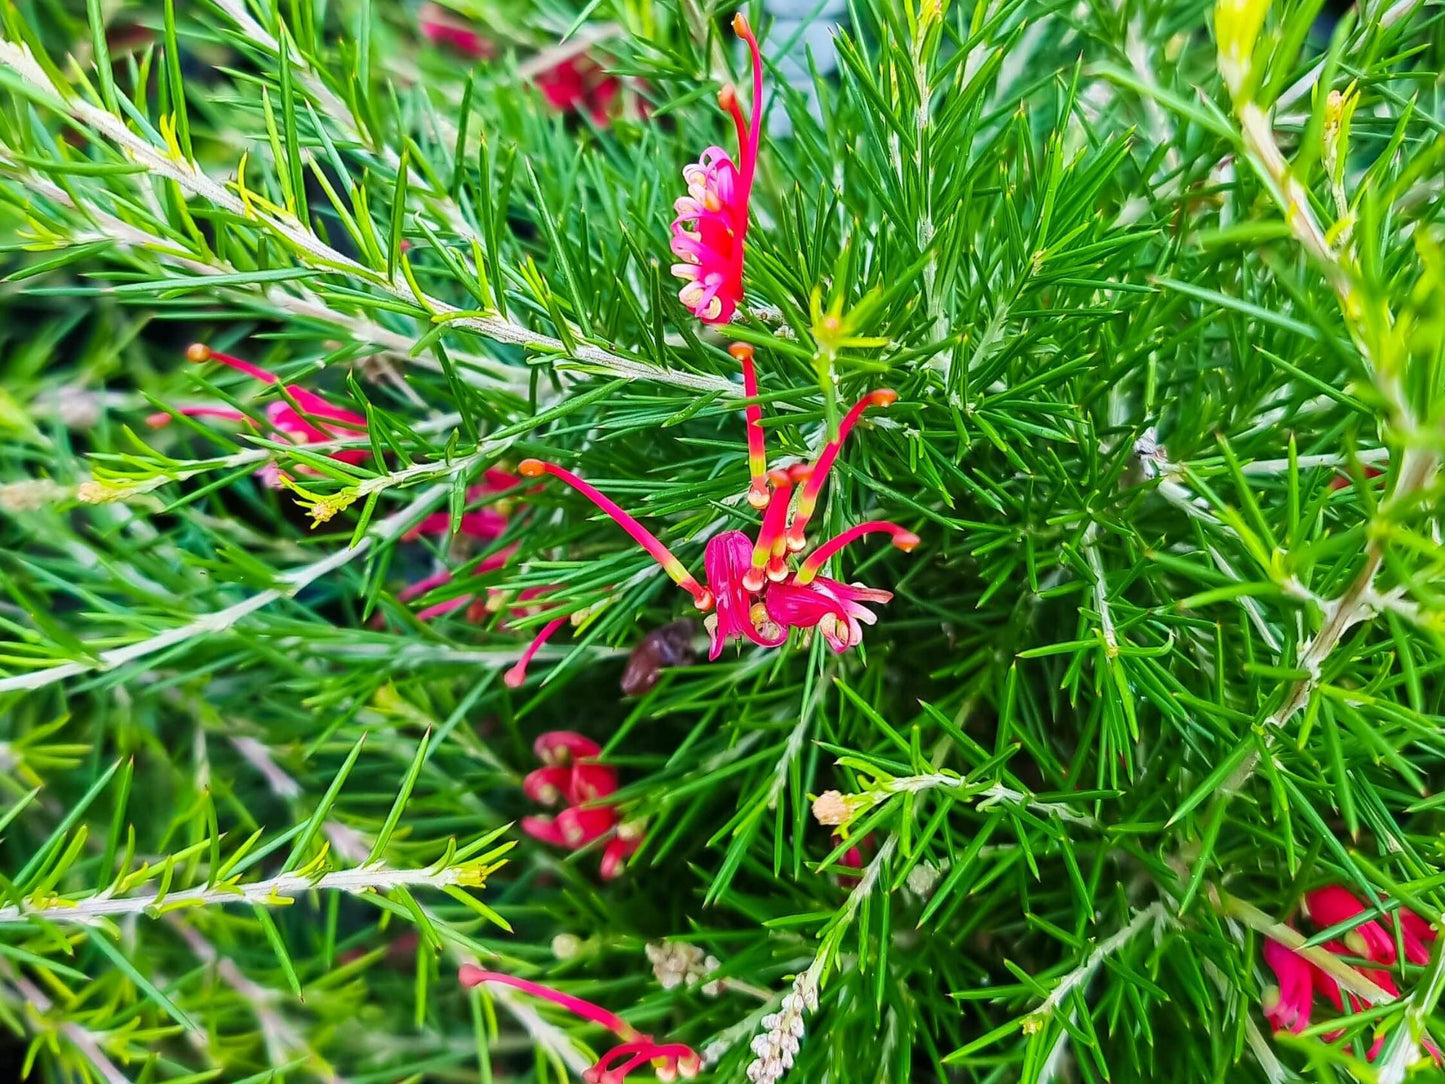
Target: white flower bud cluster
x,y
776,1047
676,963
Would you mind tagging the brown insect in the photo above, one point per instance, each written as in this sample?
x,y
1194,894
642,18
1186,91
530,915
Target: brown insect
x,y
670,645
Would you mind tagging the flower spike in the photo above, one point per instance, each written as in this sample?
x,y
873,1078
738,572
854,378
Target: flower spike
x,y
808,499
757,449
712,219
702,598
904,539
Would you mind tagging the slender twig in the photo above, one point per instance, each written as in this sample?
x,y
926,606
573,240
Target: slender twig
x,y
1150,917
273,891
36,1001
994,794
1101,589
223,620
190,179
1395,13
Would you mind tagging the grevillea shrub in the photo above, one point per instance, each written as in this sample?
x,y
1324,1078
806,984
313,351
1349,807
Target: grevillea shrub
x,y
538,542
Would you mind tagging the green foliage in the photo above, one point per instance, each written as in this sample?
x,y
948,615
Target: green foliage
x,y
1164,317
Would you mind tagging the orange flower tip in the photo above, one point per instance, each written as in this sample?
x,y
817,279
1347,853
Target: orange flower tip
x,y
800,472
740,26
741,350
758,498
884,397
531,468
727,97
514,677
198,352
906,541
160,420
704,600
779,477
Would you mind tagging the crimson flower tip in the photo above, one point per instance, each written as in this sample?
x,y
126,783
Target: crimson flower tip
x,y
906,541
515,676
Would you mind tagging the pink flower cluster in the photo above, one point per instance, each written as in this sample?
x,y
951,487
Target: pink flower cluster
x,y
752,590
575,84
634,1050
1289,1004
712,219
571,776
306,418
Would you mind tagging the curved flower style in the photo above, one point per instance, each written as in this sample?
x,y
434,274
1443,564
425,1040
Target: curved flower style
x,y
712,219
571,775
752,592
316,419
636,1050
1288,1004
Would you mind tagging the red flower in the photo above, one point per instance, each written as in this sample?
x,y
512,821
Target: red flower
x,y
570,775
636,1050
575,84
1287,1005
751,590
579,84
443,28
311,420
1331,905
712,219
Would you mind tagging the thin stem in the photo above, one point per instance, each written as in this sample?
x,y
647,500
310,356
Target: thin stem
x,y
275,891
317,253
1150,917
223,620
83,1039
